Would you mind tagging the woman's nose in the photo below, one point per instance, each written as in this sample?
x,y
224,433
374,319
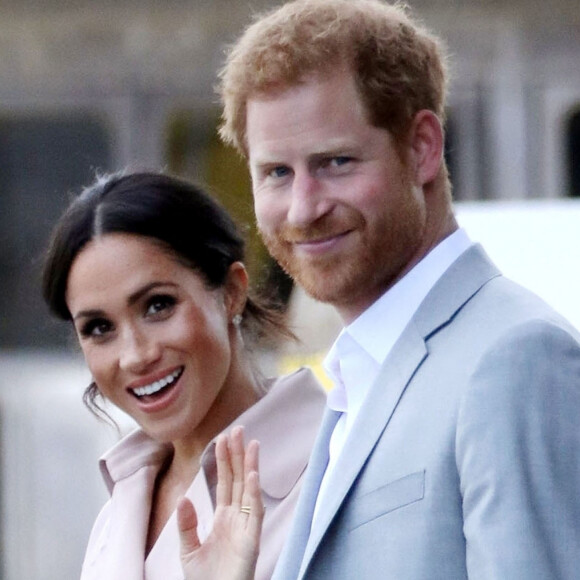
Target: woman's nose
x,y
138,351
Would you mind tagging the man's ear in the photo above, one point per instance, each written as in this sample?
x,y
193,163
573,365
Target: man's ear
x,y
236,289
426,143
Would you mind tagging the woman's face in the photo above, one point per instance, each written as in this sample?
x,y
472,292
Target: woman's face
x,y
157,342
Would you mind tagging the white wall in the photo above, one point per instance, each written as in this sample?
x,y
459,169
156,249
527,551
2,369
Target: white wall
x,y
50,485
536,243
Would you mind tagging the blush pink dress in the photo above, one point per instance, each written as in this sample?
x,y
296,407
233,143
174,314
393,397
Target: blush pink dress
x,y
285,421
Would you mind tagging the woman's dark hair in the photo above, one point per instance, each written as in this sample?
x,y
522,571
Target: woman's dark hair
x,y
181,217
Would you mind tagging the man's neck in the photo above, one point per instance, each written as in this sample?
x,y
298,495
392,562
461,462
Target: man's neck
x,y
349,311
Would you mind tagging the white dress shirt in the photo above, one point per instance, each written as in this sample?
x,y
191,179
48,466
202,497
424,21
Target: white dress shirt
x,y
356,356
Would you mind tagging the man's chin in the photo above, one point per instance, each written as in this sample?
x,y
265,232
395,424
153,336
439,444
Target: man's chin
x,y
322,279
321,287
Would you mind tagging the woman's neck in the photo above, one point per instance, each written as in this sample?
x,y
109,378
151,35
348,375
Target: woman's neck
x,y
175,479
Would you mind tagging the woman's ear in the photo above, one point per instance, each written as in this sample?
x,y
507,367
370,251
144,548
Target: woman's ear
x,y
236,289
426,146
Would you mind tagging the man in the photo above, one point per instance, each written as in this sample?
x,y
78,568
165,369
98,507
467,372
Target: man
x,y
451,446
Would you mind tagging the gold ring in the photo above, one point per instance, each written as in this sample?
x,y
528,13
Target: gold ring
x,y
246,509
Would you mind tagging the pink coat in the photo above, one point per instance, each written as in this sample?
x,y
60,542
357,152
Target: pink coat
x,y
285,421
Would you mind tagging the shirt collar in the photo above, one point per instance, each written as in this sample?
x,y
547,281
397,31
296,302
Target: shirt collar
x,y
378,328
348,365
371,336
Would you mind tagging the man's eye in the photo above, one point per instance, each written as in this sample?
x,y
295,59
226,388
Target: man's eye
x,y
340,160
96,328
279,171
160,304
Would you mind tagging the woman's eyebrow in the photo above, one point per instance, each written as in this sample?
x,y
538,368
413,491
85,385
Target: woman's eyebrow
x,y
136,296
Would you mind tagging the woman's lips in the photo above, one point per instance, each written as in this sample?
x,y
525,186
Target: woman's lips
x,y
158,385
160,395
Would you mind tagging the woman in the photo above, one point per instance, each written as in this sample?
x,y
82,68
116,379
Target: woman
x,y
150,271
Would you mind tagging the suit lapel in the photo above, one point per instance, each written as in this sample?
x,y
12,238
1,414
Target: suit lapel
x,y
373,419
462,280
292,554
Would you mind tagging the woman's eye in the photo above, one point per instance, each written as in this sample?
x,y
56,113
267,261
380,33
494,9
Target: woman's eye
x,y
96,328
160,305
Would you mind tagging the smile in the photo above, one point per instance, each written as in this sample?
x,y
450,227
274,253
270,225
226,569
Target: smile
x,y
320,244
156,386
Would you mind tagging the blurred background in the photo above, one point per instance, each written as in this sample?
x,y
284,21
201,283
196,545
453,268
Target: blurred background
x,y
90,87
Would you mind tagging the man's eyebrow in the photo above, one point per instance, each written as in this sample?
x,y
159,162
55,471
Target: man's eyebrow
x,y
333,149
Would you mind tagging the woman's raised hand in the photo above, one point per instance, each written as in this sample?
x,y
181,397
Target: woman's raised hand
x,y
231,550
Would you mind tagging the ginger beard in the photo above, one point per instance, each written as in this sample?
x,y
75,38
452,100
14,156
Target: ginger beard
x,y
381,251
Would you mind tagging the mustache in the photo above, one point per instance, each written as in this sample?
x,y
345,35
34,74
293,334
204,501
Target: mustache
x,y
321,229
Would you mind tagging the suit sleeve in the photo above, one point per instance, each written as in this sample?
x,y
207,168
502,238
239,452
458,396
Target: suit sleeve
x,y
518,457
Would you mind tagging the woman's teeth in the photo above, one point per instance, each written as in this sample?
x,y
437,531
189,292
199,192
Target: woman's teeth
x,y
158,385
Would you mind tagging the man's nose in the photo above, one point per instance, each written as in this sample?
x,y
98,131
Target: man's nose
x,y
308,201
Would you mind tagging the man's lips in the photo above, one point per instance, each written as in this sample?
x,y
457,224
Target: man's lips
x,y
319,243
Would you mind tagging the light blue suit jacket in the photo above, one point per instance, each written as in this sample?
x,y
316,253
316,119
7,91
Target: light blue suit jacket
x,y
464,461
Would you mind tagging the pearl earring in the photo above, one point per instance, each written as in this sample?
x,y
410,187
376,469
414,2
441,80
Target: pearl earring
x,y
237,320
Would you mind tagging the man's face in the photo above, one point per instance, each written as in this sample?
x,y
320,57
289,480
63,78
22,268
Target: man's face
x,y
335,203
